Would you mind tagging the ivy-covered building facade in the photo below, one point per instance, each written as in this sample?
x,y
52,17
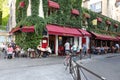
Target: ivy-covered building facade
x,y
55,21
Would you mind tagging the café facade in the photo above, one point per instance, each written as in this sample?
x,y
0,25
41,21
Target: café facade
x,y
57,36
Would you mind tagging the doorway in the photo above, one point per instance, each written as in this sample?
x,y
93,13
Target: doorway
x,y
52,43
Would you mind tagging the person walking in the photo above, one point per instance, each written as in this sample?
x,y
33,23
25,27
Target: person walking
x,y
67,47
84,49
74,49
4,50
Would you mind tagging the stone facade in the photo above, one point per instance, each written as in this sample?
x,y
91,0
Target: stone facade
x,y
108,7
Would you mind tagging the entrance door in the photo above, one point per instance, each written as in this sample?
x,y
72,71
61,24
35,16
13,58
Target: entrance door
x,y
52,43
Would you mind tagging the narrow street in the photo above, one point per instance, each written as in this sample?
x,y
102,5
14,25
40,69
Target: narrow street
x,y
50,68
107,66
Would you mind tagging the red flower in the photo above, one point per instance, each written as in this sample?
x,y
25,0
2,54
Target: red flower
x,y
86,15
75,12
22,4
116,25
99,19
108,22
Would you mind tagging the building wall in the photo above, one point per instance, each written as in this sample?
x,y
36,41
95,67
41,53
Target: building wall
x,y
108,8
4,37
12,19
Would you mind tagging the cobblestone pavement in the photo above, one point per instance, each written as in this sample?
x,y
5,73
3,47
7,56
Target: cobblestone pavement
x,y
107,66
50,68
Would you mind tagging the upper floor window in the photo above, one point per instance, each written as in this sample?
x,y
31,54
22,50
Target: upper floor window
x,y
96,7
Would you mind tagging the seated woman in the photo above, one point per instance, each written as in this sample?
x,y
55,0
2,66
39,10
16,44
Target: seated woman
x,y
10,52
17,50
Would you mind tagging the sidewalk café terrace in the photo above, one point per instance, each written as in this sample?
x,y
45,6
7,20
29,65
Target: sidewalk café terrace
x,y
104,37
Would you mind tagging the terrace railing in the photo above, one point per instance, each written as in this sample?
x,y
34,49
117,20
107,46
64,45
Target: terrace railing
x,y
80,72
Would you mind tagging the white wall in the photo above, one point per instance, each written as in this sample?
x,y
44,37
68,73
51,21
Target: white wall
x,y
80,42
56,46
29,9
94,1
87,42
41,13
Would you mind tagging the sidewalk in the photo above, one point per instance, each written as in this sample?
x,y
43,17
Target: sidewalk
x,y
50,68
106,65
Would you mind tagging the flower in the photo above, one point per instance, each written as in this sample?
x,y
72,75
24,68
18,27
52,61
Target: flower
x,y
22,4
86,15
115,25
99,19
108,22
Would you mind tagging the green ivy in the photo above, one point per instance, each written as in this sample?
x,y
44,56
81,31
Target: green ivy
x,y
103,25
35,7
26,40
21,13
60,16
63,15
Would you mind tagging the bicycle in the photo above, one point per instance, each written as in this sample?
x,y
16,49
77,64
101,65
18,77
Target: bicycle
x,y
67,59
74,57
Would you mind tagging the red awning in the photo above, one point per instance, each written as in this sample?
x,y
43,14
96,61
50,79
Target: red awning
x,y
23,29
104,37
53,4
28,29
118,38
14,30
84,32
60,30
75,11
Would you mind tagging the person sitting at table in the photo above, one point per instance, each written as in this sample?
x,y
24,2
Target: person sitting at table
x,y
39,50
10,53
102,50
44,52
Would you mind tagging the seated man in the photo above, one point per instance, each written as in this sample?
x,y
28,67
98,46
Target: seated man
x,y
44,52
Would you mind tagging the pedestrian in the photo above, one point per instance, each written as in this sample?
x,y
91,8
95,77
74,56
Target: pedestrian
x,y
117,47
74,49
84,49
67,47
4,50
